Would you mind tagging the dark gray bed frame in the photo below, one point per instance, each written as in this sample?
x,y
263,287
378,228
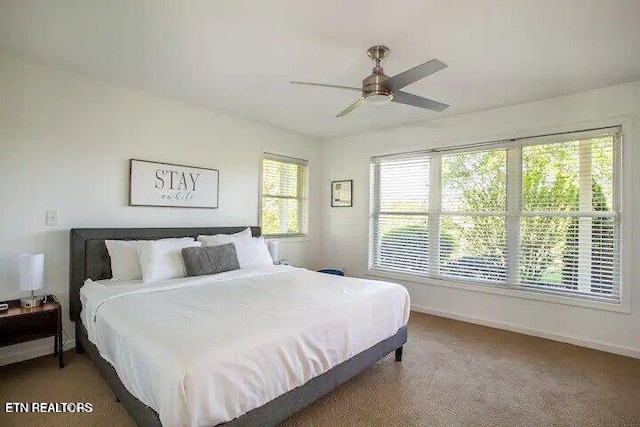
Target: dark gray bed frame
x,y
89,259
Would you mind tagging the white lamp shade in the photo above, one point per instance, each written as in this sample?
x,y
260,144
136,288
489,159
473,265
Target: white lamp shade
x,y
31,271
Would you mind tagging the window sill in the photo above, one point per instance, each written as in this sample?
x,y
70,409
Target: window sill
x,y
288,238
623,307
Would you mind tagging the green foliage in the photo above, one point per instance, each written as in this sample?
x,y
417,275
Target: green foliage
x,y
280,187
418,235
420,232
273,210
549,183
601,249
448,242
476,182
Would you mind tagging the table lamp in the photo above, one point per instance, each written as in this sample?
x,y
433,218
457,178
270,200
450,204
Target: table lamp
x,y
31,278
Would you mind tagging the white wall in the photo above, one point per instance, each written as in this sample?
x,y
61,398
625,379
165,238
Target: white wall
x,y
346,229
65,145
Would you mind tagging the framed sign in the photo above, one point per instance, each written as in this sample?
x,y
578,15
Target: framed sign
x,y
341,194
178,186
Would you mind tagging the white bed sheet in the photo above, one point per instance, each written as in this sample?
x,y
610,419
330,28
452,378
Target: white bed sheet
x,y
204,350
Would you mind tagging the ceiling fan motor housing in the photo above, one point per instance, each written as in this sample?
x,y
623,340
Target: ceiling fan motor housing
x,y
373,85
373,90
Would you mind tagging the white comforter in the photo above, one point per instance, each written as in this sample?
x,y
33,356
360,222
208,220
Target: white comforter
x,y
204,350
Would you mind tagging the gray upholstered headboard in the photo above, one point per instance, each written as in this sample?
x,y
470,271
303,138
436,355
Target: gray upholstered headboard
x,y
89,258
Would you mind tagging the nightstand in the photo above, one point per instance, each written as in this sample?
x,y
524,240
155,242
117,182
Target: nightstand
x,y
26,324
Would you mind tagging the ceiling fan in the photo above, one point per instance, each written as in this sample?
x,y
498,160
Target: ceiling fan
x,y
378,89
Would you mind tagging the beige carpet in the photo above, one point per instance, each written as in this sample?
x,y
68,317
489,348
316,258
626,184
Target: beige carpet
x,y
453,374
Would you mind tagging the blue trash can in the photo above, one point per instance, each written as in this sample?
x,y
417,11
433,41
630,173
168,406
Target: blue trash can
x,y
334,272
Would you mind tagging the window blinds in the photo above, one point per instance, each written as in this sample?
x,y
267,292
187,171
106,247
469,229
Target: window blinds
x,y
569,232
401,215
538,214
284,187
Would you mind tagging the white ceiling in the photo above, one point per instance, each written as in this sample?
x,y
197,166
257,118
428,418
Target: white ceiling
x,y
238,56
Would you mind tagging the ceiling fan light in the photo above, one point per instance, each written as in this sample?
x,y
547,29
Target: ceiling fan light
x,y
378,99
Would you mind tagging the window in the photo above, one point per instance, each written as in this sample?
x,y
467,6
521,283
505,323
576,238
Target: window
x,y
284,196
472,225
536,214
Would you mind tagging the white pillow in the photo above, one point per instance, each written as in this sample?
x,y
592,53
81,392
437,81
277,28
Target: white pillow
x,y
162,259
223,239
274,249
125,263
252,251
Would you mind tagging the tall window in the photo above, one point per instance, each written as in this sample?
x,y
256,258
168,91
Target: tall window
x,y
538,214
284,196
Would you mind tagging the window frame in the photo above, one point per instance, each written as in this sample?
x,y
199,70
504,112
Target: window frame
x,y
511,287
302,191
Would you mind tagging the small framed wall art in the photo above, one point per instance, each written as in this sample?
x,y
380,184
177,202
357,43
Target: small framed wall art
x,y
169,185
342,194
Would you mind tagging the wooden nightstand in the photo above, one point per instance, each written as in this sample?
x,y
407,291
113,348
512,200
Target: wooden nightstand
x,y
26,324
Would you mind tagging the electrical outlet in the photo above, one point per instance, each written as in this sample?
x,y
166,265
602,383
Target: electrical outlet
x,y
52,218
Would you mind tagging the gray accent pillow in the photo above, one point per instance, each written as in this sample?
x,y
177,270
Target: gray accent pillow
x,y
200,261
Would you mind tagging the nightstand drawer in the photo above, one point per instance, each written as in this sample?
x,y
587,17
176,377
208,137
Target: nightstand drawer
x,y
26,328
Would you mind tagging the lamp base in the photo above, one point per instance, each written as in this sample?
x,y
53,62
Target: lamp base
x,y
30,302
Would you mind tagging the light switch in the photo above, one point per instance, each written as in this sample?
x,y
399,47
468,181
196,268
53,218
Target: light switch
x,y
52,218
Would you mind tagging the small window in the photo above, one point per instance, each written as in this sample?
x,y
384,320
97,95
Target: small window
x,y
284,196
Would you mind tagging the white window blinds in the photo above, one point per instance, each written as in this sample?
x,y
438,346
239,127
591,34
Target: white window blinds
x,y
473,217
401,215
284,195
538,214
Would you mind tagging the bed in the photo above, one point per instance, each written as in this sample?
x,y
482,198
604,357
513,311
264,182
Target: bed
x,y
282,336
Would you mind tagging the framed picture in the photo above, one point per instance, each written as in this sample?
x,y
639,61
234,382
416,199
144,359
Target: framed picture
x,y
177,186
342,194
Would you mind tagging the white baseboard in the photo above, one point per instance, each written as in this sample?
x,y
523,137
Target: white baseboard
x,y
610,348
31,353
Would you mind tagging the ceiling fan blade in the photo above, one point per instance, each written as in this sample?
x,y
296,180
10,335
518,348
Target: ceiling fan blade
x,y
418,101
414,74
323,85
351,107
